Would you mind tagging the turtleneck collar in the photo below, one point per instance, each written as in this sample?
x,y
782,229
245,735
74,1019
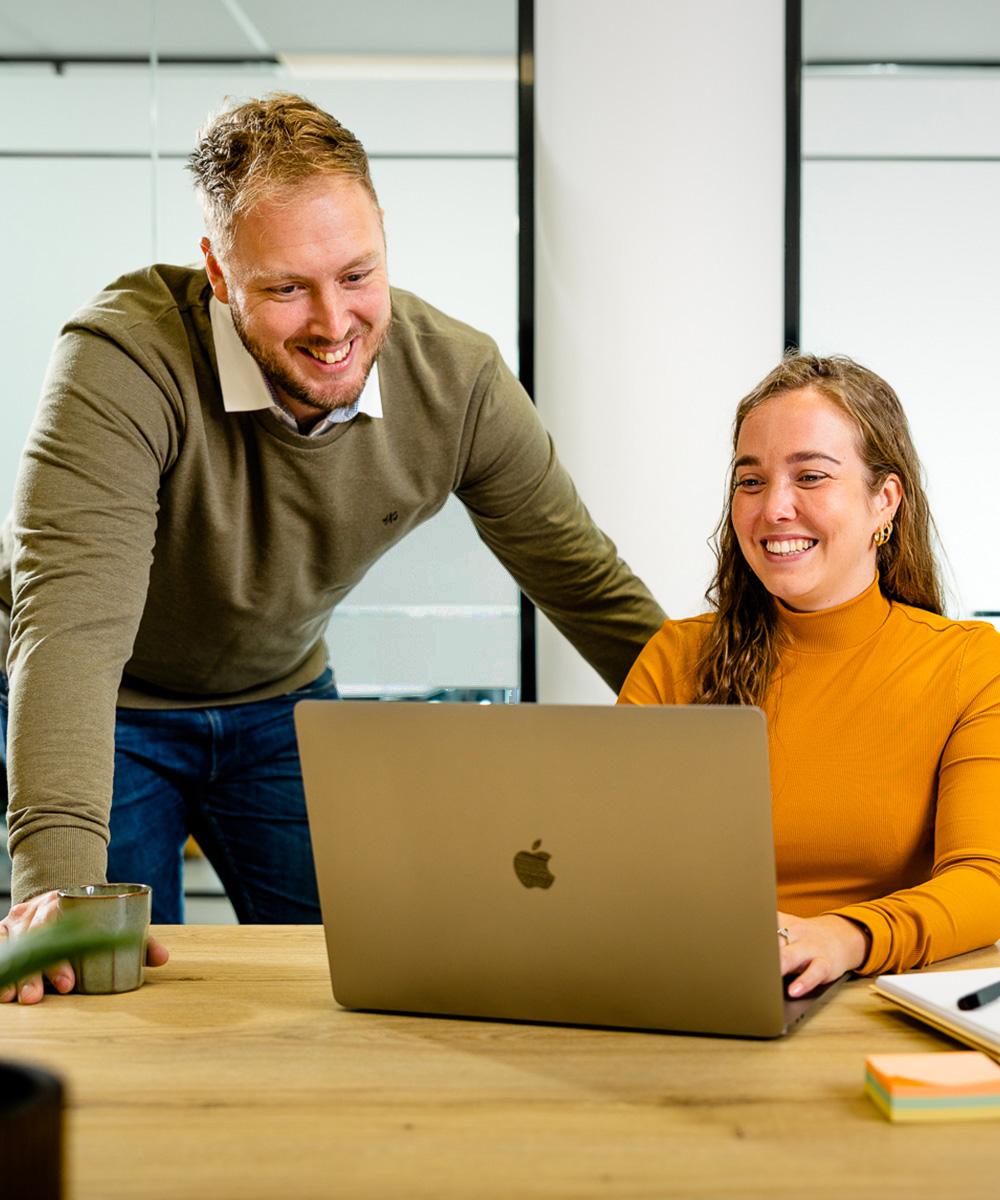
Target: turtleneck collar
x,y
838,628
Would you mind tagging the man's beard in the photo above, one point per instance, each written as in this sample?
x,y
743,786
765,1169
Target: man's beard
x,y
282,378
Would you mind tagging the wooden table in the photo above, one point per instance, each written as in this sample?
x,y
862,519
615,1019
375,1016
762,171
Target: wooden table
x,y
233,1073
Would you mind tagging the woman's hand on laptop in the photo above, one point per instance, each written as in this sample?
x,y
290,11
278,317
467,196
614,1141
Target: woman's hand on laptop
x,y
819,950
39,911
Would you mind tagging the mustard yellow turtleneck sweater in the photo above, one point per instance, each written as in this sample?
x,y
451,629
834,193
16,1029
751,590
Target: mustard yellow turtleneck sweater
x,y
884,738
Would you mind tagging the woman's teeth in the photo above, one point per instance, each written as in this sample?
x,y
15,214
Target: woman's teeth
x,y
796,546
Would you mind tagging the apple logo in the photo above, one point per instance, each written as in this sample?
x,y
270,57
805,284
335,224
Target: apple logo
x,y
532,867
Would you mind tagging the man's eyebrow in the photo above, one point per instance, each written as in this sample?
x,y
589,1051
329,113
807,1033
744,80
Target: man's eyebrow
x,y
277,276
363,260
800,456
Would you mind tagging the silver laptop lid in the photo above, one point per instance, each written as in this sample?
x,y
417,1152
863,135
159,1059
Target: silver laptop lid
x,y
590,865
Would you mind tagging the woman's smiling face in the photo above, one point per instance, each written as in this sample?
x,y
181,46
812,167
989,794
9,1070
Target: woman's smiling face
x,y
803,510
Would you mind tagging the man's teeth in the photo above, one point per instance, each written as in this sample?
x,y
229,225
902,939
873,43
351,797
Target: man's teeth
x,y
334,357
796,546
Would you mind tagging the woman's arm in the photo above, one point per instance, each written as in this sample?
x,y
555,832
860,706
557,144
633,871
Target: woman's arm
x,y
958,908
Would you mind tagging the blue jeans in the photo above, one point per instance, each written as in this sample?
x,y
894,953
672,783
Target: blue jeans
x,y
231,777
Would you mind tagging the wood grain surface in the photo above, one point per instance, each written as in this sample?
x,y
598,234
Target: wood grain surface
x,y
233,1073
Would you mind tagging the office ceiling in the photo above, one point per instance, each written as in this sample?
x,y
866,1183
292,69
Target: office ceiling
x,y
838,30
256,28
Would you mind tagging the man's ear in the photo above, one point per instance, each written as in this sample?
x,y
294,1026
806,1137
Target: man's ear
x,y
215,276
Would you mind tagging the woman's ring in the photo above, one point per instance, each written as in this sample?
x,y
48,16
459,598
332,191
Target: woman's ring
x,y
783,932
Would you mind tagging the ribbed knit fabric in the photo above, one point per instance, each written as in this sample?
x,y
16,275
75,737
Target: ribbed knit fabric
x,y
884,739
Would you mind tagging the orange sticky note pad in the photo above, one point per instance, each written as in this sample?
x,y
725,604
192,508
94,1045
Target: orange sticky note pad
x,y
944,1074
946,1086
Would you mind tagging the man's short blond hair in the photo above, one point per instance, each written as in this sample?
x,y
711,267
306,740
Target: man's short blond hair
x,y
253,151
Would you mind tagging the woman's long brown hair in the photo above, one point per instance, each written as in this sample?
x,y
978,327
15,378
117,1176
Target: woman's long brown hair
x,y
741,653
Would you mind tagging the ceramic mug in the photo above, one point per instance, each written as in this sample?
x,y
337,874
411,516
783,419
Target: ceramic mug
x,y
112,908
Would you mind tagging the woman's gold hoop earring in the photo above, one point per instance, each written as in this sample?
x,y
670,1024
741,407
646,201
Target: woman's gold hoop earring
x,y
882,535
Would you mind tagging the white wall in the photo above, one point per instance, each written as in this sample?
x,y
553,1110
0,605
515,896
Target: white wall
x,y
660,175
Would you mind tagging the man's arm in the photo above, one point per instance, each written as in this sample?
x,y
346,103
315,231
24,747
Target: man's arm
x,y
528,512
83,528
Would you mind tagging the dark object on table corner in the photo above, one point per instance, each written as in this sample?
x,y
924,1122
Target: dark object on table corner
x,y
31,1137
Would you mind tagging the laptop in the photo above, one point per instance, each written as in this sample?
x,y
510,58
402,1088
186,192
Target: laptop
x,y
550,863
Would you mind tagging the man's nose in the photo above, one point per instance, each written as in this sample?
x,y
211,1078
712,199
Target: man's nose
x,y
331,317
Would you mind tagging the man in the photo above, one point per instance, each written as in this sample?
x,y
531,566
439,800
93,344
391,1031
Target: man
x,y
208,475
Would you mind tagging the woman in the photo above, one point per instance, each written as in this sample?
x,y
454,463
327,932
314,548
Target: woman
x,y
883,716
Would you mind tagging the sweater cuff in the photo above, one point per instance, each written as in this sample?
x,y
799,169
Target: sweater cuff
x,y
58,857
878,930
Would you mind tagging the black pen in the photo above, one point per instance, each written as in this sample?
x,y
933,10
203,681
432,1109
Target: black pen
x,y
983,996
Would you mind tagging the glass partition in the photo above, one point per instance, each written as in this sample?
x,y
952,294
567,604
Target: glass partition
x,y
900,251
108,98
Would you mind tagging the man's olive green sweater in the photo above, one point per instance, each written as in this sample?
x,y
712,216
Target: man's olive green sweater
x,y
200,551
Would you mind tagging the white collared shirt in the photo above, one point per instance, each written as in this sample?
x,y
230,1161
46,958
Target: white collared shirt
x,y
245,388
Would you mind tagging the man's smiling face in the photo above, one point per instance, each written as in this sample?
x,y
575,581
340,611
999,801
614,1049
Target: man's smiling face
x,y
307,288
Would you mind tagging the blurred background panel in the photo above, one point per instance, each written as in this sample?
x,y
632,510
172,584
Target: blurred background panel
x,y
900,238
102,103
92,184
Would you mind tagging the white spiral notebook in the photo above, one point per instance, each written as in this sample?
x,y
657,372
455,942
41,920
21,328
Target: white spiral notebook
x,y
934,996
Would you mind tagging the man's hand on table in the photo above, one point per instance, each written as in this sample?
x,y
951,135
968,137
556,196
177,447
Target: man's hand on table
x,y
39,911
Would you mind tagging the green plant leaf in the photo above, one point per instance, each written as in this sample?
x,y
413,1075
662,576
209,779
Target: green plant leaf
x,y
50,944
